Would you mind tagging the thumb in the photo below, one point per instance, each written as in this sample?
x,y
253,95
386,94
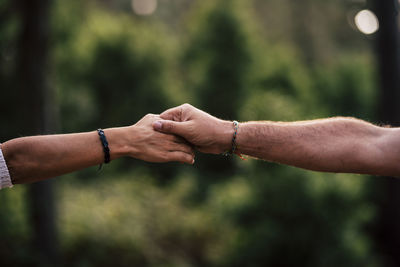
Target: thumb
x,y
170,127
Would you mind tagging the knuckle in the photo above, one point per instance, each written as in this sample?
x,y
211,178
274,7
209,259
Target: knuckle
x,y
184,148
164,156
186,105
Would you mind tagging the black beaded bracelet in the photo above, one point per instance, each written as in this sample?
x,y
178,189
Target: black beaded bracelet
x,y
106,149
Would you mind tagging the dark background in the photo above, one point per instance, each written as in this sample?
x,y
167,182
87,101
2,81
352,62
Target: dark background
x,y
70,66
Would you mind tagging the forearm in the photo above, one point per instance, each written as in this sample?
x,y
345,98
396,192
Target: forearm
x,y
35,158
332,145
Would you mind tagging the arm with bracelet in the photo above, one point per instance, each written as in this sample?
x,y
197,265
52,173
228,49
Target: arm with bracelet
x,y
35,158
345,145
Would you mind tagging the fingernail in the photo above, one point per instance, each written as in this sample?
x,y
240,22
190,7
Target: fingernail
x,y
157,125
192,161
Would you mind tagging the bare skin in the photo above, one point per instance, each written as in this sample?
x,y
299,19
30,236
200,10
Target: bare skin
x,y
339,144
36,158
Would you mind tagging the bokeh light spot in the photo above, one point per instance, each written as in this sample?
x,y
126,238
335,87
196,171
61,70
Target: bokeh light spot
x,y
366,21
144,7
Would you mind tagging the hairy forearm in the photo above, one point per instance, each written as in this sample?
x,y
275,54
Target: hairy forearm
x,y
35,158
332,145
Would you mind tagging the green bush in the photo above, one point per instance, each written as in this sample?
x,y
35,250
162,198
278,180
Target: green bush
x,y
111,68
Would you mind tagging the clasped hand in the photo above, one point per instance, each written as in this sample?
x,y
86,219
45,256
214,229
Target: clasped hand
x,y
153,146
178,131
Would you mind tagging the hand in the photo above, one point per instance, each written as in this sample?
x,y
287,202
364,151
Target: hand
x,y
149,145
207,133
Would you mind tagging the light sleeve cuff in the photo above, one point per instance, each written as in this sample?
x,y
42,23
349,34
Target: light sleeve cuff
x,y
5,179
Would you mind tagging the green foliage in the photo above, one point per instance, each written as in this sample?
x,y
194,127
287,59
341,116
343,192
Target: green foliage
x,y
219,58
110,68
282,88
348,87
9,28
253,220
301,219
151,225
14,229
115,71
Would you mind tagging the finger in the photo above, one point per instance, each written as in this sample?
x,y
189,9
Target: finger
x,y
178,139
148,118
172,114
182,148
180,157
171,127
177,143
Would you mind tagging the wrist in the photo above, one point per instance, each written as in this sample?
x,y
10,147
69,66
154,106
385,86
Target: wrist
x,y
118,141
225,133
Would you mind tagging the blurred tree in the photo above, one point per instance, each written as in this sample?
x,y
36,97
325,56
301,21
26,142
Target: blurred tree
x,y
112,72
296,218
111,67
219,52
117,76
218,58
9,26
388,189
283,84
347,87
36,113
286,215
126,84
318,30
